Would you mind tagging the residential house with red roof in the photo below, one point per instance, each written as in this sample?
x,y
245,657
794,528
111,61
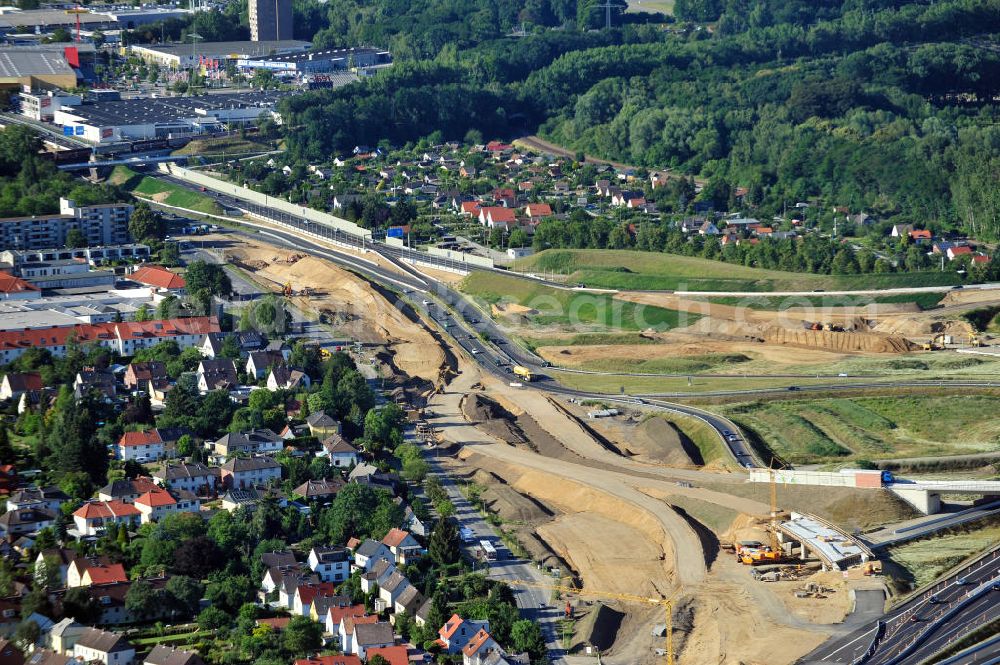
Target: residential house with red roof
x,y
960,250
336,614
496,216
145,446
394,655
404,547
94,517
137,375
348,627
84,571
157,504
125,338
921,235
537,210
456,633
306,593
480,646
15,384
159,279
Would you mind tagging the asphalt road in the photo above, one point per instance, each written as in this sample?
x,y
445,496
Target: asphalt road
x,y
533,602
915,630
908,634
483,340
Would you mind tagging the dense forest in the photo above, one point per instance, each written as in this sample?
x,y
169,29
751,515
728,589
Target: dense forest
x,y
878,105
30,184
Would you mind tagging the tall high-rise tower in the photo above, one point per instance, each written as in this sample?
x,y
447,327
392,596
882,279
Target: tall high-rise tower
x,y
270,20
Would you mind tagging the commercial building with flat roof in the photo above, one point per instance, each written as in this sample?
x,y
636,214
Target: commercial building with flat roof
x,y
162,117
315,62
181,56
36,68
270,19
47,20
130,19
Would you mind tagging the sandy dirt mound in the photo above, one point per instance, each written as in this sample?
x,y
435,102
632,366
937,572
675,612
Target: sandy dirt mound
x,y
492,418
925,326
848,508
604,557
361,312
599,626
501,499
508,309
626,534
840,342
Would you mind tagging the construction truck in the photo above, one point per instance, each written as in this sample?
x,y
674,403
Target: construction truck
x,y
974,340
522,372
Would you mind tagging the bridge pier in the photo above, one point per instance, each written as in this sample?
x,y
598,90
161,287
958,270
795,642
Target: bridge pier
x,y
925,501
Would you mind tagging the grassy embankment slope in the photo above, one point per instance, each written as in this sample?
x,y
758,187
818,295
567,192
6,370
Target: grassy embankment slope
x,y
559,308
632,270
832,430
162,192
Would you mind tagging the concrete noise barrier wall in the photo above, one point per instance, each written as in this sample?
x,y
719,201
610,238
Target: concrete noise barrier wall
x,y
276,203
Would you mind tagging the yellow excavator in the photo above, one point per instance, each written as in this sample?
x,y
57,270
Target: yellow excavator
x,y
753,552
937,343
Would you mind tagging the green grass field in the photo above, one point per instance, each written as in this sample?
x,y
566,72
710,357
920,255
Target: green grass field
x,y
632,270
558,307
925,560
774,303
651,6
811,431
585,339
230,146
163,192
720,362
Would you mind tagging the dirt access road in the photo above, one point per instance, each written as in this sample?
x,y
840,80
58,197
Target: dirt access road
x,y
616,528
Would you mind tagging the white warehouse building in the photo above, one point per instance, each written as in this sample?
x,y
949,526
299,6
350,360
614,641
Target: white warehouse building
x,y
136,119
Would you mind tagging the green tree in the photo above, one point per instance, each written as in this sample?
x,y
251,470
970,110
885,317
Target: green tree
x,y
81,606
301,636
7,453
143,313
526,636
169,307
184,594
75,238
145,223
444,545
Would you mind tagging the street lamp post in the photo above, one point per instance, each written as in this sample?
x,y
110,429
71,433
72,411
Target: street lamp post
x,y
194,41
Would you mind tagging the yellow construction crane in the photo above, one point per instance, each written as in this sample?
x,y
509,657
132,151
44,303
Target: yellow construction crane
x,y
775,545
666,603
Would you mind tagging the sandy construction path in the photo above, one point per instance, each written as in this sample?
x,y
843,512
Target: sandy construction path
x,y
616,529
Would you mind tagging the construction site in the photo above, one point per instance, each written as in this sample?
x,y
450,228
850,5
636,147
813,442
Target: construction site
x,y
653,541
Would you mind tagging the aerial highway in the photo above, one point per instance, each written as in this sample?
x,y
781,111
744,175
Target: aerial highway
x,y
481,338
925,623
919,627
490,345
